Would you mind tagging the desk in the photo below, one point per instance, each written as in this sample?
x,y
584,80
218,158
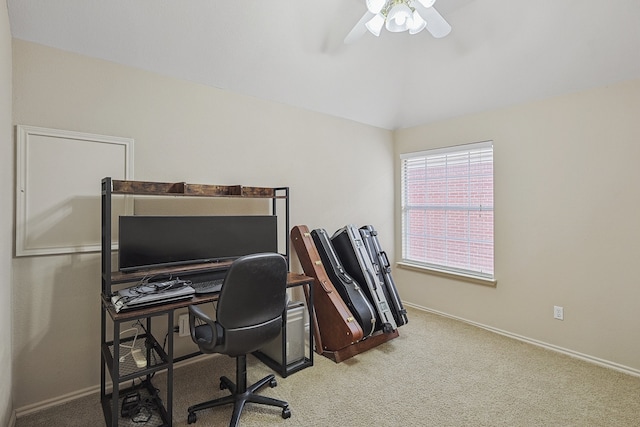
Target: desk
x,y
158,359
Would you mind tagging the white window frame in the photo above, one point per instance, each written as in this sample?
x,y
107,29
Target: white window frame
x,y
450,255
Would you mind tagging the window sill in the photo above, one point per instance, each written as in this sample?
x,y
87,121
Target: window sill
x,y
448,274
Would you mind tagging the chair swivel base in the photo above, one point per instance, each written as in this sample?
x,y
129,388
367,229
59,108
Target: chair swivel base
x,y
239,399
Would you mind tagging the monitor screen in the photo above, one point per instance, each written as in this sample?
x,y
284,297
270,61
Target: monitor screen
x,y
159,241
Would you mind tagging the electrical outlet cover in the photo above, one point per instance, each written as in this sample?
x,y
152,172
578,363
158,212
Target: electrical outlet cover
x,y
558,312
183,325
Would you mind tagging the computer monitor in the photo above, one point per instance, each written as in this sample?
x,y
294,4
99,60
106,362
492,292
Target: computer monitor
x,y
147,242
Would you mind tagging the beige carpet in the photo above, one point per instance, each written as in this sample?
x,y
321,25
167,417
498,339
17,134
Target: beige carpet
x,y
438,372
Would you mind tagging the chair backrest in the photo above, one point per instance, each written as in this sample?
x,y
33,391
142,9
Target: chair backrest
x,y
251,302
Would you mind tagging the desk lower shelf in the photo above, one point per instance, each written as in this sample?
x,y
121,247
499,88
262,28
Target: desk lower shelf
x,y
149,411
128,369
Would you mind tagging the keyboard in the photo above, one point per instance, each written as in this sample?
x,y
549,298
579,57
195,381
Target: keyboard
x,y
207,287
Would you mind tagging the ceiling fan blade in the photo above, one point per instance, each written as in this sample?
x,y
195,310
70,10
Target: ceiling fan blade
x,y
436,24
359,29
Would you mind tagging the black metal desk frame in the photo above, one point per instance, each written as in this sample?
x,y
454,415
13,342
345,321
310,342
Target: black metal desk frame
x,y
157,358
111,350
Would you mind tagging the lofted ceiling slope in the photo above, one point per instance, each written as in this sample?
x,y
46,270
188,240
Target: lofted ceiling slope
x,y
500,52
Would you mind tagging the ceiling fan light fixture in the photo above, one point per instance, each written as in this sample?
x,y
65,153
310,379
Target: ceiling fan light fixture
x,y
418,24
375,24
399,18
375,6
425,3
400,15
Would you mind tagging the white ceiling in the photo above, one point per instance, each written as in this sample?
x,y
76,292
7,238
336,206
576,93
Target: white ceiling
x,y
500,52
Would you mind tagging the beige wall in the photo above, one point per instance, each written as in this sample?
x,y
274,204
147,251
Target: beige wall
x,y
6,217
566,199
183,132
566,223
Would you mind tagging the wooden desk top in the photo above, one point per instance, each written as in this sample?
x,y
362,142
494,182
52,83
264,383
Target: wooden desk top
x,y
293,279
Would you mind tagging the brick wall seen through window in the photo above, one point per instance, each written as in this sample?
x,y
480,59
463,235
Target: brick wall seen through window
x,y
447,209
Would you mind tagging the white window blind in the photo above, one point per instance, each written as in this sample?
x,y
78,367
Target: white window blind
x,y
447,209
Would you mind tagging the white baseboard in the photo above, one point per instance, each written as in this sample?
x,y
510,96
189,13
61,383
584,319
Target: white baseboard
x,y
59,400
577,355
28,409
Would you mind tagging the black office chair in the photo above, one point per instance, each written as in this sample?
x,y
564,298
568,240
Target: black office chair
x,y
248,315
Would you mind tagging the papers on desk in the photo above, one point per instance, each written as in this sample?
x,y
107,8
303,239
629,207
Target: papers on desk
x,y
151,294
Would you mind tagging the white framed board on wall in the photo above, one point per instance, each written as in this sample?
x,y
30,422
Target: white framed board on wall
x,y
58,184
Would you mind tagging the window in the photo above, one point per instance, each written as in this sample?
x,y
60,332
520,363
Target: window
x,y
447,209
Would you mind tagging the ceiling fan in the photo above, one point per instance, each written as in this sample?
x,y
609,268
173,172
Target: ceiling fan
x,y
400,15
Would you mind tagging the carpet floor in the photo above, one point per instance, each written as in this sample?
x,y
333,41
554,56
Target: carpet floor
x,y
438,372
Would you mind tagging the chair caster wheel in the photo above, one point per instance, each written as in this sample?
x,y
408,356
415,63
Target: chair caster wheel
x,y
273,383
286,413
192,418
223,386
